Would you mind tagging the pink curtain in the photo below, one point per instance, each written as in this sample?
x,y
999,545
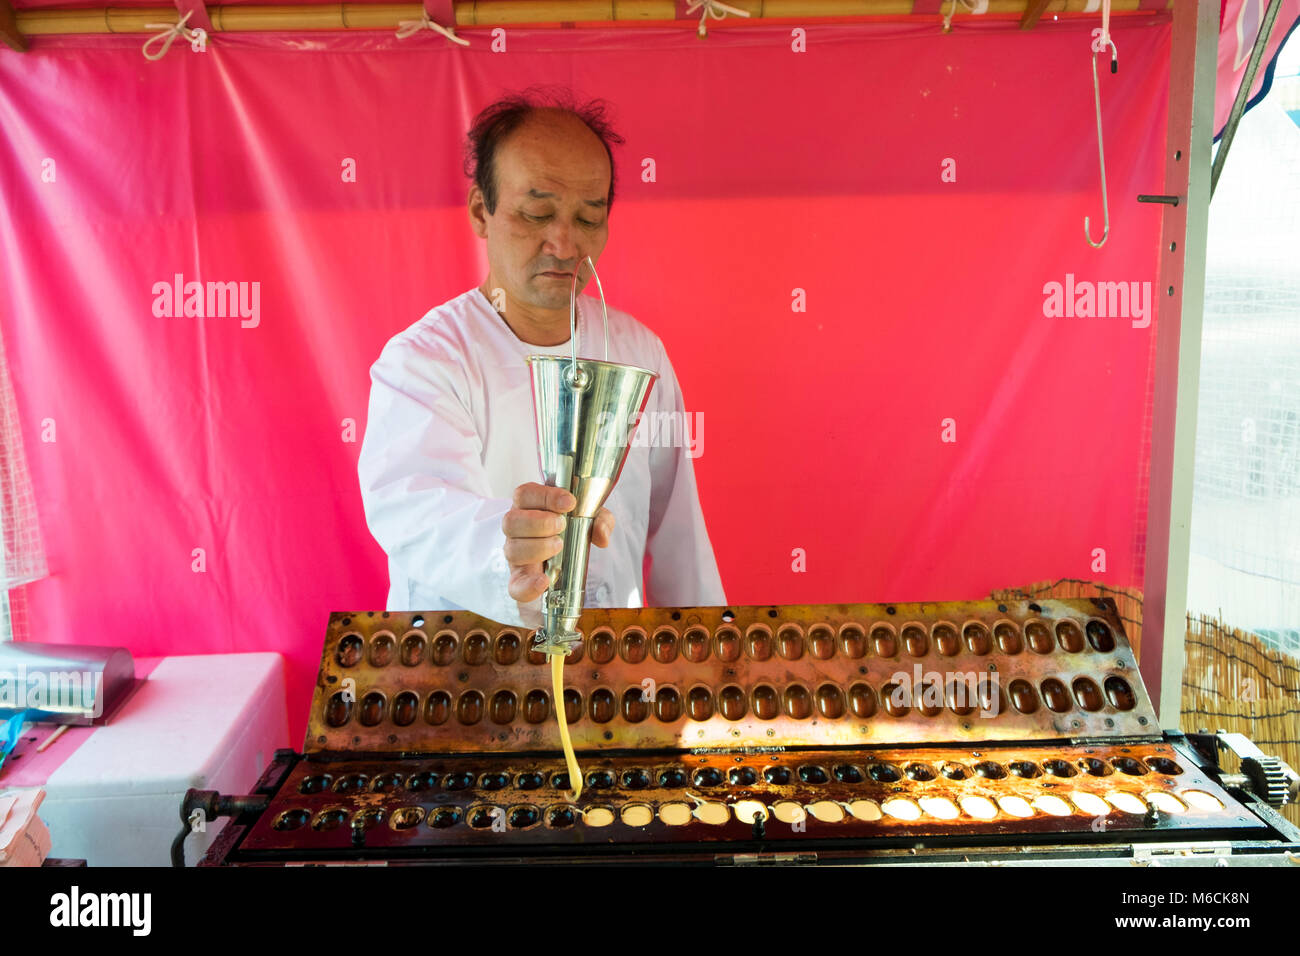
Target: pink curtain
x,y
929,427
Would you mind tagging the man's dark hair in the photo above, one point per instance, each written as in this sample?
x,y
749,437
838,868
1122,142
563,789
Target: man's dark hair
x,y
498,121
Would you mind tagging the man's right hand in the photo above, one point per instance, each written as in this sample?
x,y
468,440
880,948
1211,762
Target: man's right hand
x,y
532,527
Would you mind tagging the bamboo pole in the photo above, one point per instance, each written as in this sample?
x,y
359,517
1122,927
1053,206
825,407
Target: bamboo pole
x,y
271,18
9,32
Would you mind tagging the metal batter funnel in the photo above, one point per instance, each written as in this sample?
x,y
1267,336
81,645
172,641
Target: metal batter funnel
x,y
586,412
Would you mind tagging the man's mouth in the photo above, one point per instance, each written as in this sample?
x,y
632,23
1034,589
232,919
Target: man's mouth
x,y
558,275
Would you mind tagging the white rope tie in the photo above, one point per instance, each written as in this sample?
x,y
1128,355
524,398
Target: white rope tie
x,y
409,28
712,8
1106,39
170,32
970,6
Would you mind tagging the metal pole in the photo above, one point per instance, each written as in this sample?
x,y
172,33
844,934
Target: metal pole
x,y
1177,372
1243,92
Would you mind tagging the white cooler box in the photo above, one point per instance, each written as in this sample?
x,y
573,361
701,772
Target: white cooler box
x,y
210,722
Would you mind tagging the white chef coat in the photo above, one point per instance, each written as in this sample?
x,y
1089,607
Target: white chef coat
x,y
451,434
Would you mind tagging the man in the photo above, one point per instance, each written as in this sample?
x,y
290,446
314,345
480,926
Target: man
x,y
449,467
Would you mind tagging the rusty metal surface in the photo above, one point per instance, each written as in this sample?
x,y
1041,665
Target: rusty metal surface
x,y
480,801
791,676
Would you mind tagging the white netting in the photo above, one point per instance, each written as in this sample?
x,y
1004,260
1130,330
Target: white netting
x,y
22,558
1245,560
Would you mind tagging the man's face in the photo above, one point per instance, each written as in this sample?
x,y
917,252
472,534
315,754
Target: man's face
x,y
552,179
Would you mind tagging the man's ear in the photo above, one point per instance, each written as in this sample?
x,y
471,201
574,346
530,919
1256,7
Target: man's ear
x,y
477,209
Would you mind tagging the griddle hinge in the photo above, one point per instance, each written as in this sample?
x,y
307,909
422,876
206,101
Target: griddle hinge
x,y
765,859
1152,855
1117,741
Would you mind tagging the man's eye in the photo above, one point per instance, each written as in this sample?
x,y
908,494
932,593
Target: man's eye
x,y
532,218
591,224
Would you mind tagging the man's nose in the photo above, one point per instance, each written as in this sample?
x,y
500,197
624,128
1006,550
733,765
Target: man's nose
x,y
562,243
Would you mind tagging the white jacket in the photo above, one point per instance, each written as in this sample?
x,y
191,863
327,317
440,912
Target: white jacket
x,y
451,434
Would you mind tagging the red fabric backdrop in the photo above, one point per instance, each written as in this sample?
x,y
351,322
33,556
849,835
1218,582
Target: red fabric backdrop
x,y
150,436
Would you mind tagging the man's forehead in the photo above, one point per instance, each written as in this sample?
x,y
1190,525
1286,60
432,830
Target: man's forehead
x,y
537,163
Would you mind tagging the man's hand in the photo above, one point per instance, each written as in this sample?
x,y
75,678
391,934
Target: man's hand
x,y
532,527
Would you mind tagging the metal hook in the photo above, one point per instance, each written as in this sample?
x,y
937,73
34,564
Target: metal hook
x,y
1101,149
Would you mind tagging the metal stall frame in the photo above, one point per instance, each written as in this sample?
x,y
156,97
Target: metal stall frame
x,y
1177,372
1182,252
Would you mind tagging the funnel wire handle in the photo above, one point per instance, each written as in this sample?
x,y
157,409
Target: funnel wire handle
x,y
573,315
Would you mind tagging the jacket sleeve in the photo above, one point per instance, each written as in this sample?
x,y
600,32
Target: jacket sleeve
x,y
427,498
683,571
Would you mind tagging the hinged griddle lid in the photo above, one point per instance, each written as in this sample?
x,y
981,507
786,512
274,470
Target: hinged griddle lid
x,y
738,678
